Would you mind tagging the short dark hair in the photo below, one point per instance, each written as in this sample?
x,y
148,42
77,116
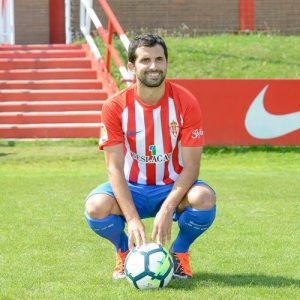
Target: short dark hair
x,y
145,40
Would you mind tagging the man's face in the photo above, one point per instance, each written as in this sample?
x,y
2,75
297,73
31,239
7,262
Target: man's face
x,y
150,66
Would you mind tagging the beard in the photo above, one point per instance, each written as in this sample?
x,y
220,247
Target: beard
x,y
149,81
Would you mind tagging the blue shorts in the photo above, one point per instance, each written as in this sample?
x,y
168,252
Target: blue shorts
x,y
147,198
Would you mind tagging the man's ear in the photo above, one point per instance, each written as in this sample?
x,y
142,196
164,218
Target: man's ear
x,y
131,67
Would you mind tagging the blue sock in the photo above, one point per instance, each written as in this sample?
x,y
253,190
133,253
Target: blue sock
x,y
110,228
192,223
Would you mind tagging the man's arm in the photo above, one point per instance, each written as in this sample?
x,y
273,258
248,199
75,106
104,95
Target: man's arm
x,y
191,157
114,157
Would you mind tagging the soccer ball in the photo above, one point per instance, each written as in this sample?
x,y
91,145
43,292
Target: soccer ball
x,y
149,266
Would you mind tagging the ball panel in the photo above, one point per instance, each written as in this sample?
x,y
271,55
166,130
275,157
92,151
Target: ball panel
x,y
148,247
148,282
156,260
168,277
135,264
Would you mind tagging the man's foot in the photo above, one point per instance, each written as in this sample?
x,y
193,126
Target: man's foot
x,y
182,268
119,269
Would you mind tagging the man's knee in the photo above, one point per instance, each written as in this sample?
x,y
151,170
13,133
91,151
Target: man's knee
x,y
99,206
200,197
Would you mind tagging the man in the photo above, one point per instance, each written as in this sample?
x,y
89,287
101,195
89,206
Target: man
x,y
152,137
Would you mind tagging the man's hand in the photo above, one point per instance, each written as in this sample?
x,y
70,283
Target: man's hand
x,y
162,227
114,157
163,221
136,232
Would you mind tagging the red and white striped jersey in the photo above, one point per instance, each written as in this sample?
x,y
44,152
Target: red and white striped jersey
x,y
152,134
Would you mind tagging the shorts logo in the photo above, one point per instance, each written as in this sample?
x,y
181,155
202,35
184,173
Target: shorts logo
x,y
174,128
197,133
103,134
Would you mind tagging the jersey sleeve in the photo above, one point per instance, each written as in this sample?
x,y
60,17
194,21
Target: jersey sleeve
x,y
192,134
111,132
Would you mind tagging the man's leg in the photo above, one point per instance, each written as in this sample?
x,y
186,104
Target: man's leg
x,y
195,213
104,217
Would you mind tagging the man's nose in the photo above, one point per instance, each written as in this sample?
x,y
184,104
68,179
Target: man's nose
x,y
152,65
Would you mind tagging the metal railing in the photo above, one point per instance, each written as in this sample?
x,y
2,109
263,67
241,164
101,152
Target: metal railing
x,y
88,15
68,29
7,22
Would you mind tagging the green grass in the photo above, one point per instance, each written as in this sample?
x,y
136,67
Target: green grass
x,y
48,252
235,56
228,56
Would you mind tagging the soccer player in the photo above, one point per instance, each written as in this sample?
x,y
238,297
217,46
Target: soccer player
x,y
152,137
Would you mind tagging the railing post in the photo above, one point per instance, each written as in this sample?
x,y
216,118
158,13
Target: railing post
x,y
109,42
247,15
1,23
68,32
7,22
82,16
11,23
85,21
87,18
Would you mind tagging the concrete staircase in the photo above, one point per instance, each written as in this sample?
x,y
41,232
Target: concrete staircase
x,y
50,91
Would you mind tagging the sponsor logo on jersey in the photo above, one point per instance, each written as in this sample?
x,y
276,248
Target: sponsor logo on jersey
x,y
174,128
197,133
152,149
103,134
151,159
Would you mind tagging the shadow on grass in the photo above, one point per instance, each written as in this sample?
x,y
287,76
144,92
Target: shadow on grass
x,y
7,143
256,280
5,154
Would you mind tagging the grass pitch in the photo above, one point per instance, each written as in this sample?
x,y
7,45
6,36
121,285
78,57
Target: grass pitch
x,y
48,251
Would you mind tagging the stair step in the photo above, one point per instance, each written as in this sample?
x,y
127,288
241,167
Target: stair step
x,y
51,84
40,47
44,106
46,130
36,74
42,53
49,91
42,63
44,95
50,117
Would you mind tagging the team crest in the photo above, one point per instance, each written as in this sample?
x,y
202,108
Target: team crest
x,y
103,133
174,128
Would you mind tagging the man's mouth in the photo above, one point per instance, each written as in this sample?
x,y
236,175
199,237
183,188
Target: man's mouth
x,y
154,74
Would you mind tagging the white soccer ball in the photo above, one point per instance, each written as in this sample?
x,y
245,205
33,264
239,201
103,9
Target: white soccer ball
x,y
149,266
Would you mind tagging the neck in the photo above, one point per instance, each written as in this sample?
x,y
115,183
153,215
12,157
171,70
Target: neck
x,y
150,95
